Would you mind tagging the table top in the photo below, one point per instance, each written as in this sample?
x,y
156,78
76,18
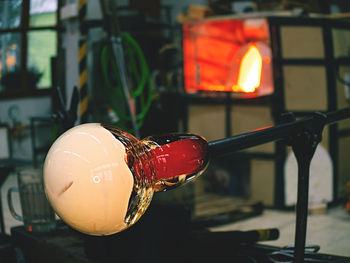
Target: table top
x,y
143,243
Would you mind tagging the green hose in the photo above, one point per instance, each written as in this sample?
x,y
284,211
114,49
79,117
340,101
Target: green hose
x,y
140,72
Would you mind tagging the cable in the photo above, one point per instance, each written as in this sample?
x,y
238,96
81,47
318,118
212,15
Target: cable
x,y
140,73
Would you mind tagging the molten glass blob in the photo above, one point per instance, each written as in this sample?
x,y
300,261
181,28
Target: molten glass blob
x,y
100,180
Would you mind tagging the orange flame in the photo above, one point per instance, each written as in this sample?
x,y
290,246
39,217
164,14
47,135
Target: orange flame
x,y
250,71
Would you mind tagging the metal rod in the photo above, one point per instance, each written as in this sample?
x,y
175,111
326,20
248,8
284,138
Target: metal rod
x,y
301,210
268,134
304,145
109,8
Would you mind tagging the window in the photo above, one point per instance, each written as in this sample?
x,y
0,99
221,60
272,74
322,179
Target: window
x,y
28,43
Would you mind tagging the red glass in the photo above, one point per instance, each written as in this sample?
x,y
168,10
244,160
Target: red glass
x,y
167,160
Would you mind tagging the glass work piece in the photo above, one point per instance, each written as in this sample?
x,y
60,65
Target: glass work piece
x,y
100,180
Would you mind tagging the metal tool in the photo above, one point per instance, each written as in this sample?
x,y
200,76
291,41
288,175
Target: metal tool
x,y
110,13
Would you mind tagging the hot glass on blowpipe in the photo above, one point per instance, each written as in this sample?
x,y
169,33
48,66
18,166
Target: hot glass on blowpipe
x,y
100,180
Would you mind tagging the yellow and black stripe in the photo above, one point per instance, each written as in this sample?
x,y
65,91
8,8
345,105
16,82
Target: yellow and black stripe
x,y
82,58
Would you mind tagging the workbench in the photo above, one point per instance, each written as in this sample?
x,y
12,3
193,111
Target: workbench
x,y
164,234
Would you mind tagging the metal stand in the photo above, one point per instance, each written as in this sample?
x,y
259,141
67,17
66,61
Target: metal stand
x,y
304,144
304,136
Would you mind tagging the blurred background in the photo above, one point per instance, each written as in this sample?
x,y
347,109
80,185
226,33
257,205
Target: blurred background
x,y
216,68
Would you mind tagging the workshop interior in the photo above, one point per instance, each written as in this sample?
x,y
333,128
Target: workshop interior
x,y
168,131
